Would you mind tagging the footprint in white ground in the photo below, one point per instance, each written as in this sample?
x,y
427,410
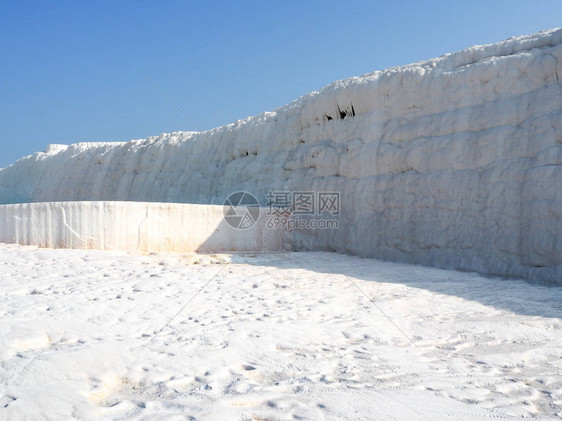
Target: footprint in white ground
x,y
30,342
6,400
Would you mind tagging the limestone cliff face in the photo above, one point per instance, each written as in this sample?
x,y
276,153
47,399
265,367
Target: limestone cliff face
x,y
454,162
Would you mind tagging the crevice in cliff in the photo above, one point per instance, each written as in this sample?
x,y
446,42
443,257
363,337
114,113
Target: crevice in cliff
x,y
341,114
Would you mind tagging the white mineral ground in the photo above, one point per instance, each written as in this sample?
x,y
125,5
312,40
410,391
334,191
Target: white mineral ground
x,y
87,334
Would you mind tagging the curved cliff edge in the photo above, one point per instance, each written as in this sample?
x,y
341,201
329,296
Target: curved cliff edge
x,y
453,162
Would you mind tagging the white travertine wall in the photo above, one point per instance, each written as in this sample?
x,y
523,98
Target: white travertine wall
x,y
453,162
133,226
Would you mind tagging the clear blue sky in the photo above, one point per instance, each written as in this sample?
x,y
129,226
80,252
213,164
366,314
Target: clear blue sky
x,y
74,71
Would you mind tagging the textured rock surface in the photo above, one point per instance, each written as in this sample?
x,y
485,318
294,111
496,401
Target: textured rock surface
x,y
454,162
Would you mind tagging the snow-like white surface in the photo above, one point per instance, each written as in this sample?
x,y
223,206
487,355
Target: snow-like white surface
x,y
88,334
133,226
454,162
